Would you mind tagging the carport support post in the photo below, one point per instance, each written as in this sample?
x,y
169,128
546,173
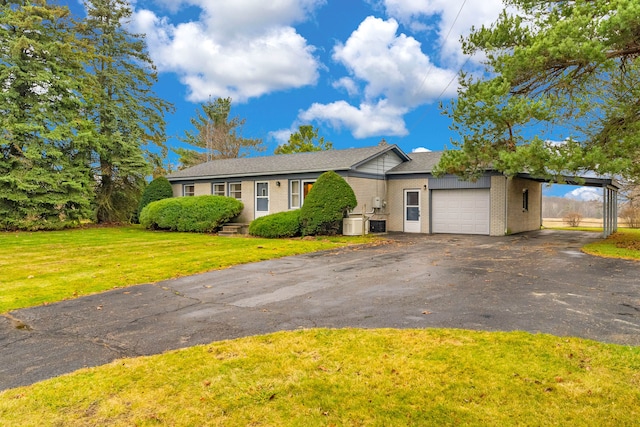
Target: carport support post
x,y
609,210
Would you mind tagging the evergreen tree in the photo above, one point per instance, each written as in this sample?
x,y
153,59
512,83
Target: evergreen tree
x,y
128,116
216,136
304,140
560,93
45,180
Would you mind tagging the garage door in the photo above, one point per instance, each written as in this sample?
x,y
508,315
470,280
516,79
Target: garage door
x,y
460,211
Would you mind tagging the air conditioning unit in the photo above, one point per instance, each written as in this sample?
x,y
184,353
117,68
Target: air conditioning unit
x,y
353,226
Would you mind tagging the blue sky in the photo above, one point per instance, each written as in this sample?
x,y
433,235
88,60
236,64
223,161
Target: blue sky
x,y
358,70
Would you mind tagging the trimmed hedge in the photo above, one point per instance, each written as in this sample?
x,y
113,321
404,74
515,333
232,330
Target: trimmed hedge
x,y
158,189
200,214
328,202
282,224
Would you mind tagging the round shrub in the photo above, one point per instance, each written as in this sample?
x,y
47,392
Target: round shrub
x,y
328,202
282,224
201,214
158,189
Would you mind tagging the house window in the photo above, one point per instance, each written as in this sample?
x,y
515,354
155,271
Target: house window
x,y
188,190
294,192
525,200
298,191
218,189
235,190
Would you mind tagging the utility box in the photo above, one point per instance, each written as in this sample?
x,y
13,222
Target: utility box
x,y
376,203
353,226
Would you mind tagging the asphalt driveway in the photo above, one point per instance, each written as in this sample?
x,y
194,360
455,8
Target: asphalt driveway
x,y
537,282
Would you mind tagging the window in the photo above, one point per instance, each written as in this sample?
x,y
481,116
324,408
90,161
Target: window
x,y
294,191
235,190
188,190
298,191
525,200
218,189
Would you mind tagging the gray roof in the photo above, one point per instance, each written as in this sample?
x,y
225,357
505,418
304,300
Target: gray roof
x,y
317,161
420,163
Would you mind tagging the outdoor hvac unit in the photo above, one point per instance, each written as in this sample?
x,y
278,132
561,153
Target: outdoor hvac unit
x,y
353,226
378,226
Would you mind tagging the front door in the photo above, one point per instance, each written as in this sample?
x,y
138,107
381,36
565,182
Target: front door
x,y
262,199
412,211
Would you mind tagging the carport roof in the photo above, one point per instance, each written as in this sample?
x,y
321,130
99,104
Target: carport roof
x,y
587,181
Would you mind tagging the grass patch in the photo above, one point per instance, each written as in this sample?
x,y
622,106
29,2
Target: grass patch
x,y
45,267
349,377
579,228
625,243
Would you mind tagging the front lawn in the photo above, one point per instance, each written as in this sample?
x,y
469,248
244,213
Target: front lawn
x,y
44,267
625,243
349,378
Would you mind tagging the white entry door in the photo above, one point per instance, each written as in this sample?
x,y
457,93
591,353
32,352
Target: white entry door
x,y
412,211
262,199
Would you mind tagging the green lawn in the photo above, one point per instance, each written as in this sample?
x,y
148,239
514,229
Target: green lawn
x,y
349,378
44,267
625,243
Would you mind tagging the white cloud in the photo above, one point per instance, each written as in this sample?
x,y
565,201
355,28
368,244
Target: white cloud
x,y
397,76
392,66
420,150
231,51
281,136
585,194
454,18
364,121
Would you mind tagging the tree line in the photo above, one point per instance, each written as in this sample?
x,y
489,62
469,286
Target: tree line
x,y
81,128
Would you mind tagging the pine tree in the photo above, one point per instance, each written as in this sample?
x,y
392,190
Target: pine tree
x,y
304,140
129,117
217,135
45,179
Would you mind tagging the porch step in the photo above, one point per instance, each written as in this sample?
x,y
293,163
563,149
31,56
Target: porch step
x,y
234,229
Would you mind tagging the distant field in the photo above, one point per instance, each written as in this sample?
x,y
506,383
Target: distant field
x,y
586,222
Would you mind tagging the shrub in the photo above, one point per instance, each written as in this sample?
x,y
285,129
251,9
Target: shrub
x,y
158,189
282,224
201,214
326,205
572,219
631,216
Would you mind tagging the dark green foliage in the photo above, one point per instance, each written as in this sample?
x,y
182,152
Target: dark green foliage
x,y
326,205
559,94
201,214
158,189
128,116
45,178
282,224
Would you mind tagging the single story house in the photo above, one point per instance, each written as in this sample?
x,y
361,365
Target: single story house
x,y
395,190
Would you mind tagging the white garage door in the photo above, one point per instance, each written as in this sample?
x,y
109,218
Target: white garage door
x,y
460,211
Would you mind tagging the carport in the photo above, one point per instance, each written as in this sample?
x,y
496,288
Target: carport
x,y
610,189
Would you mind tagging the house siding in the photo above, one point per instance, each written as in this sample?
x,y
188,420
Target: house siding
x,y
519,219
498,226
380,165
395,203
365,190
